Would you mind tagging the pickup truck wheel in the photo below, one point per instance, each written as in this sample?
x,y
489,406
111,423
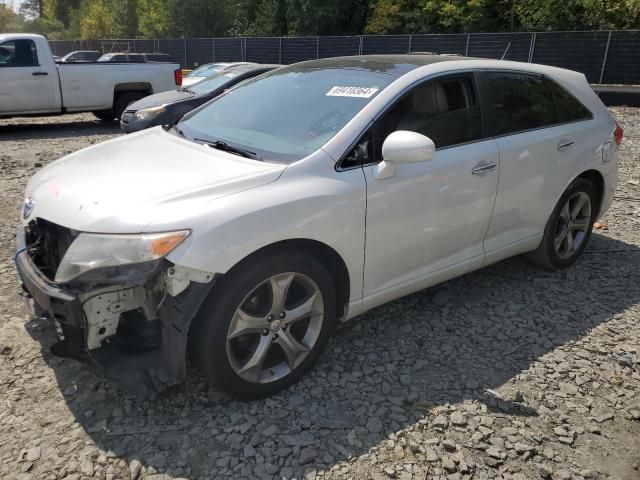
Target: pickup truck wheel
x,y
123,101
104,115
569,227
265,324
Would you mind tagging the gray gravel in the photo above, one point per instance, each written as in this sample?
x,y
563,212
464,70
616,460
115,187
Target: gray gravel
x,y
510,372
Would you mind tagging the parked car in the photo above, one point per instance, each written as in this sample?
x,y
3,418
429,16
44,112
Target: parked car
x,y
306,197
167,108
207,70
135,57
81,56
31,82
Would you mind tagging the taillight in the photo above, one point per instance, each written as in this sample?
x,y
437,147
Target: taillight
x,y
178,76
618,133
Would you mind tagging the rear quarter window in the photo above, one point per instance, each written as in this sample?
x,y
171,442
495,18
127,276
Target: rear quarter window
x,y
569,108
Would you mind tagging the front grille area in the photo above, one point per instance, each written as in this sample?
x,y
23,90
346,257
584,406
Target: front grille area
x,y
47,243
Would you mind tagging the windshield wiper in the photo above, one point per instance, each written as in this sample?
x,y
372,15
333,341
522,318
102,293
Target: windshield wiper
x,y
225,147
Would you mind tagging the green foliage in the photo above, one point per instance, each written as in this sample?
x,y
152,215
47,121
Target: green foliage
x,y
10,21
208,18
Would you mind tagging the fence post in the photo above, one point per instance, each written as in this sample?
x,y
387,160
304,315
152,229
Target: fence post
x,y
466,48
604,60
280,51
532,47
317,48
184,52
410,42
360,46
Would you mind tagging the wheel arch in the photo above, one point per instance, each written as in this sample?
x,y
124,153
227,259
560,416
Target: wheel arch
x,y
328,256
597,180
131,87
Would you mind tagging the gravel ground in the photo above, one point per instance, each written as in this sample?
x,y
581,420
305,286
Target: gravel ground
x,y
510,372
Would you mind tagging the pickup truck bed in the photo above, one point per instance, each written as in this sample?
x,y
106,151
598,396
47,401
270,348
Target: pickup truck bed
x,y
32,83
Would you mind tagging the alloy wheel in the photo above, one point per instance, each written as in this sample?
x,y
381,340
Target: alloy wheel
x,y
573,225
275,327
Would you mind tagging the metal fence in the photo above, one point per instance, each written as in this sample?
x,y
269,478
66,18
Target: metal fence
x,y
610,57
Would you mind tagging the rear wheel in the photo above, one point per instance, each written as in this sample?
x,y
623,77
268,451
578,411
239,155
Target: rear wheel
x,y
123,101
569,227
265,324
104,115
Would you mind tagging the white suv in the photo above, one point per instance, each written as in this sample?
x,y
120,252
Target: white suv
x,y
304,198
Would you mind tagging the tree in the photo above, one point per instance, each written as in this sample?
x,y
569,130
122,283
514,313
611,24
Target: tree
x,y
154,18
97,21
10,21
32,8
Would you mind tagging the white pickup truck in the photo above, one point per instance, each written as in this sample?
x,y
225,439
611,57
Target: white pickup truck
x,y
32,83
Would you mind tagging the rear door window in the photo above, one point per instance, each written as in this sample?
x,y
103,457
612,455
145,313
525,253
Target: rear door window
x,y
521,102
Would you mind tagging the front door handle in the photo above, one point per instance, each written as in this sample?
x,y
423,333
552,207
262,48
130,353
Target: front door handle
x,y
484,168
565,145
37,74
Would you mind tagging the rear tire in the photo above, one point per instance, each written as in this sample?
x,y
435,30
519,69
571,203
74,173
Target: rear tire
x,y
104,115
123,101
569,227
264,324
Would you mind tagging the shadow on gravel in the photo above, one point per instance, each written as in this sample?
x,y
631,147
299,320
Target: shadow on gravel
x,y
49,130
380,374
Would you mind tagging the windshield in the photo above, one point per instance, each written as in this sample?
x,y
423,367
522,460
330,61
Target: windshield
x,y
287,114
205,70
210,84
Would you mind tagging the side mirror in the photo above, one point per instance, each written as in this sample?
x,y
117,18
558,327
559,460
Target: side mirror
x,y
404,146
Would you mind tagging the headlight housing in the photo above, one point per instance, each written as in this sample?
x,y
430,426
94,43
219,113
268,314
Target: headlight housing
x,y
90,251
147,113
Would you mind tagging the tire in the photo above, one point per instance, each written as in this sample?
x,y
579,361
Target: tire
x,y
104,115
555,251
239,321
123,101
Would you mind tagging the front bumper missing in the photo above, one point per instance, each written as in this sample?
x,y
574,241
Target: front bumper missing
x,y
87,319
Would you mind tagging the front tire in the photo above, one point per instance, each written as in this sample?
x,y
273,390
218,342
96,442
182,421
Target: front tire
x,y
569,227
265,324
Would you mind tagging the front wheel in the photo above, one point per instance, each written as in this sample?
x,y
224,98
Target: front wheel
x,y
265,324
569,227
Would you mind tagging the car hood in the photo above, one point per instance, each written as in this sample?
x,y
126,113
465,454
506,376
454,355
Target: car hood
x,y
159,99
128,184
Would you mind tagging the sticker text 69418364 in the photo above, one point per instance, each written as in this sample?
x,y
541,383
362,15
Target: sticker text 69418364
x,y
358,92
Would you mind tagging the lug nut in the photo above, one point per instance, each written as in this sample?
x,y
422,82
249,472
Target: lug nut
x,y
282,315
265,332
275,336
270,318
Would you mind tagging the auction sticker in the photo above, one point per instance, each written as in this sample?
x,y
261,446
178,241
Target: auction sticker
x,y
357,92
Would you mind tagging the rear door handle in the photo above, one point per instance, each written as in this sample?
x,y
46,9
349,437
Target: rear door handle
x,y
566,144
37,74
484,168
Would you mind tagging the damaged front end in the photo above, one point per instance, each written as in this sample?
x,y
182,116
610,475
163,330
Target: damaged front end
x,y
130,317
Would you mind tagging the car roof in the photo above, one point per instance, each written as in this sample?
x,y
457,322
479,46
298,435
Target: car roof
x,y
394,64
